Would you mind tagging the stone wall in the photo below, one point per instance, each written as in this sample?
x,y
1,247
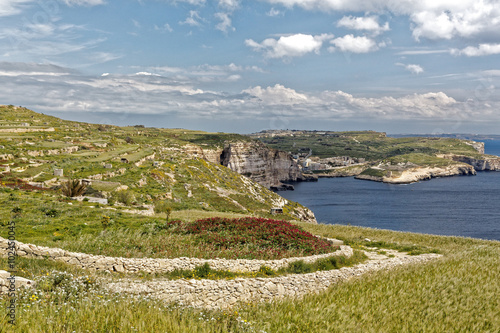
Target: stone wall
x,y
220,294
150,265
215,294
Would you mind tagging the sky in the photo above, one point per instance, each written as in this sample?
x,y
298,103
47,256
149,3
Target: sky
x,y
398,66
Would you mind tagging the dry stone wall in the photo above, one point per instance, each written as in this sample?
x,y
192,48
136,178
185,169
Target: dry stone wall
x,y
214,294
220,294
151,265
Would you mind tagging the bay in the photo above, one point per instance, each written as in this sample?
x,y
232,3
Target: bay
x,y
455,206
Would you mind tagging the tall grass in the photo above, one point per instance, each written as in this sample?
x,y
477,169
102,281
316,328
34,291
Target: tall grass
x,y
457,293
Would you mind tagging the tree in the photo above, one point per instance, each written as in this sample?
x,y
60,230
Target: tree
x,y
163,207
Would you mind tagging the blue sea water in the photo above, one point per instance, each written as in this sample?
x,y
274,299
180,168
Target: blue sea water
x,y
456,206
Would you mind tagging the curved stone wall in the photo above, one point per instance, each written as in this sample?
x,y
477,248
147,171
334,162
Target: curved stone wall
x,y
220,294
151,265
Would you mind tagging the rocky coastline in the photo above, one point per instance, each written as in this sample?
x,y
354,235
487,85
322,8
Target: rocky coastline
x,y
421,173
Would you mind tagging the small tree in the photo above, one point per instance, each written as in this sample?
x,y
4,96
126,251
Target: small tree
x,y
73,188
163,207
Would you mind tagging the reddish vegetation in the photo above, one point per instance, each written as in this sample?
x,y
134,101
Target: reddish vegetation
x,y
20,184
253,237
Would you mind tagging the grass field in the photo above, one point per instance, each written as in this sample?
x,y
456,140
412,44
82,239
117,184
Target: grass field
x,y
458,293
370,145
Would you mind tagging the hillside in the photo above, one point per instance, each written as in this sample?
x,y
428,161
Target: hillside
x,y
130,169
374,156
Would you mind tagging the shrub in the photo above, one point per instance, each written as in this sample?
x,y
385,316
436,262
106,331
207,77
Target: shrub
x,y
299,267
251,238
264,270
51,212
202,271
163,207
73,188
125,197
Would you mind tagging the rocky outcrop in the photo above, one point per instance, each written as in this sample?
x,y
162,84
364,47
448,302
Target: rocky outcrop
x,y
266,166
485,163
10,283
479,146
413,175
348,171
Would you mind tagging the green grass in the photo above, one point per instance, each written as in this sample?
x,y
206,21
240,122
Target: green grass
x,y
191,215
366,144
374,172
457,293
109,155
421,159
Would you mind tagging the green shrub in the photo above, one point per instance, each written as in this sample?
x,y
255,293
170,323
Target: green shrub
x,y
52,212
73,188
202,271
264,270
125,197
299,267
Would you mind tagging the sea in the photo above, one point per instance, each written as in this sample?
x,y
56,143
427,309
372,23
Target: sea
x,y
466,206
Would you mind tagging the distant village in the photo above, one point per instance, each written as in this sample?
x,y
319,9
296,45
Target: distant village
x,y
304,158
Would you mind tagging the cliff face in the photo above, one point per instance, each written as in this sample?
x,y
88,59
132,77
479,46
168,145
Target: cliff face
x,y
413,175
486,163
264,165
479,146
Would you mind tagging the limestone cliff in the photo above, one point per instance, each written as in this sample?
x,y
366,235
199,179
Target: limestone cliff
x,y
485,163
262,164
415,174
479,146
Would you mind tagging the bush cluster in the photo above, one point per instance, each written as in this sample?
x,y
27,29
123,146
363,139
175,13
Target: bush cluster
x,y
253,234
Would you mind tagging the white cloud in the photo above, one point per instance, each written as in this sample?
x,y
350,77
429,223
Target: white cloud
x,y
491,73
276,95
174,98
48,41
229,4
193,19
84,2
225,22
191,2
204,73
146,74
422,52
12,7
481,50
32,69
367,23
102,57
413,68
165,28
349,43
274,12
440,19
289,46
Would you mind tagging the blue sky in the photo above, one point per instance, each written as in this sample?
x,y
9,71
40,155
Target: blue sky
x,y
399,66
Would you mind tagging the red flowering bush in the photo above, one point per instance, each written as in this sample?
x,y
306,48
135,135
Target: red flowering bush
x,y
253,237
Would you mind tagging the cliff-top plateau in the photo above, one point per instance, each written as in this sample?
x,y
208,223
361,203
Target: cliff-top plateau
x,y
375,156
